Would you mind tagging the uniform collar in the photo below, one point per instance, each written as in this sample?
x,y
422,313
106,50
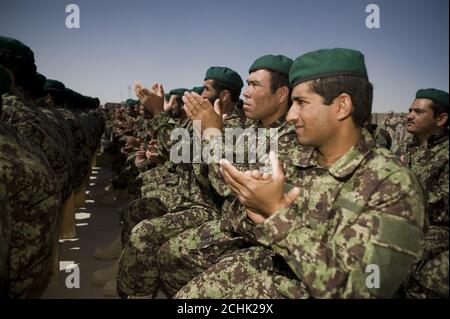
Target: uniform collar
x,y
344,166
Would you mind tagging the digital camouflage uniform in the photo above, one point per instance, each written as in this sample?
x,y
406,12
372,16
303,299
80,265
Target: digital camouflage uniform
x,y
5,240
34,204
28,120
138,274
365,209
380,135
198,249
430,164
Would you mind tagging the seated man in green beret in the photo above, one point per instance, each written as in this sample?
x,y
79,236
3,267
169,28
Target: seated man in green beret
x,y
426,154
353,225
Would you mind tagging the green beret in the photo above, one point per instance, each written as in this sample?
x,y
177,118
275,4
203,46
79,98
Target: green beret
x,y
37,86
225,75
197,89
178,92
131,102
53,85
40,81
5,81
278,63
438,96
327,62
16,47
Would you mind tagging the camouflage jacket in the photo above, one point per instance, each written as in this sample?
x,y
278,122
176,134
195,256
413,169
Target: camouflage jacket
x,y
29,121
365,209
5,240
244,152
34,203
189,186
380,135
430,164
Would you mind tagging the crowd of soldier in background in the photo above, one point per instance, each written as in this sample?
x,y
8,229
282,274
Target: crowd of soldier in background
x,y
48,137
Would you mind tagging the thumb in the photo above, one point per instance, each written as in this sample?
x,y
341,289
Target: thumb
x,y
160,90
218,107
224,117
292,195
277,167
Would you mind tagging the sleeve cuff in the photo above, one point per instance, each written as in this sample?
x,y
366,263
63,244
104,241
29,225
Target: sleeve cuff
x,y
278,226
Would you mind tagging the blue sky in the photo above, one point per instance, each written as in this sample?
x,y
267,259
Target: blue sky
x,y
174,42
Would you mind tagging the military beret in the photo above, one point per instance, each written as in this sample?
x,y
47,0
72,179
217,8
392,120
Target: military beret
x,y
37,85
225,75
327,62
73,99
16,48
53,85
178,92
40,80
197,89
438,96
5,81
131,102
278,63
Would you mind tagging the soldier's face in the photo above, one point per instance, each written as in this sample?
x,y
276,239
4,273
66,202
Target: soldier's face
x,y
420,118
209,92
259,101
314,121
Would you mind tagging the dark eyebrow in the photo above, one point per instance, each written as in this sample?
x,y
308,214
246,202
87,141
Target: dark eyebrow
x,y
253,82
297,98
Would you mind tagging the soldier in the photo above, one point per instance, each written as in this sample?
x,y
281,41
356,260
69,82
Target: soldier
x,y
379,134
355,206
138,273
266,103
5,213
33,205
426,154
20,111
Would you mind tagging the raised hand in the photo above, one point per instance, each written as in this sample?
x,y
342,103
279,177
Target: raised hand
x,y
261,194
199,108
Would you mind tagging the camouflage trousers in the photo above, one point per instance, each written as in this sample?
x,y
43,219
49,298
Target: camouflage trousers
x,y
430,275
138,272
251,273
155,204
191,253
430,280
434,276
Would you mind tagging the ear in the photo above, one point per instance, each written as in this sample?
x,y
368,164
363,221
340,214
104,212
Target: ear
x,y
442,119
283,94
344,106
224,96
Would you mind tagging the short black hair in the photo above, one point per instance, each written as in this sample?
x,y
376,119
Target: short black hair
x,y
278,80
438,109
359,89
219,86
